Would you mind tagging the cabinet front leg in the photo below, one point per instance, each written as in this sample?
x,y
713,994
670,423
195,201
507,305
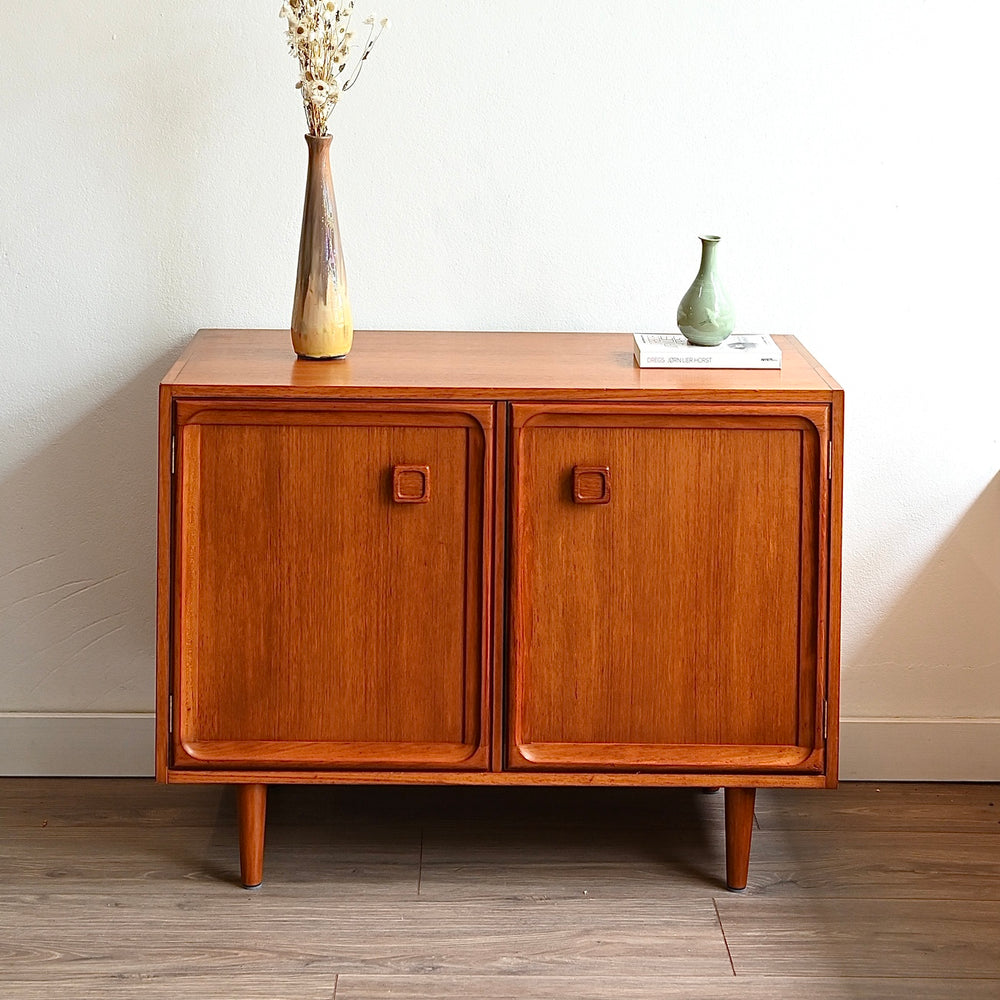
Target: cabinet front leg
x,y
251,809
739,830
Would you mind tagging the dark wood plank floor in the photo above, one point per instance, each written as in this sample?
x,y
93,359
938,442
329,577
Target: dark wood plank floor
x,y
122,888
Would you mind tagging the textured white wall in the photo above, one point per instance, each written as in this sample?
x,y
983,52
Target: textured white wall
x,y
539,164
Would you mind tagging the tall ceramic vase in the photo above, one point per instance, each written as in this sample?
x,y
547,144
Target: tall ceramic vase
x,y
705,314
322,328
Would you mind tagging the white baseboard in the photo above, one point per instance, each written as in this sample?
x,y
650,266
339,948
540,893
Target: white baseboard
x,y
70,744
77,744
920,749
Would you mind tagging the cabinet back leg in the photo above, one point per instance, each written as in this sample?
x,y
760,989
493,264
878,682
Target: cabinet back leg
x,y
251,810
739,830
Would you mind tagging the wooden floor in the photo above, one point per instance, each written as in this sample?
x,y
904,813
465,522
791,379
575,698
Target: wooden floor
x,y
122,888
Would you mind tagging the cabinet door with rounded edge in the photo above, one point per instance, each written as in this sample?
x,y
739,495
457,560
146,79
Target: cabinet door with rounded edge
x,y
331,581
668,588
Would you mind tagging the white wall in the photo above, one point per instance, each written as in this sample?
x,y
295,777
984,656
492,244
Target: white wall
x,y
514,164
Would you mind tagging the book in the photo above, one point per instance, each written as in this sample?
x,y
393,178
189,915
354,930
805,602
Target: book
x,y
673,350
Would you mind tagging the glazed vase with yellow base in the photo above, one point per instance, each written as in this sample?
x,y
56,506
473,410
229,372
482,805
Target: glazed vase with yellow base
x,y
322,327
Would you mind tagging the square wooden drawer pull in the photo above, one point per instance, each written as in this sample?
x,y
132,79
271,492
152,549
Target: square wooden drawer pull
x,y
411,483
592,484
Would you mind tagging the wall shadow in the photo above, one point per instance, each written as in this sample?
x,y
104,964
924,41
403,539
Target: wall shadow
x,y
77,567
943,633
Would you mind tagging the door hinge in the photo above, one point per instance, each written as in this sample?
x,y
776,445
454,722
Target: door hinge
x,y
173,453
829,460
826,710
170,713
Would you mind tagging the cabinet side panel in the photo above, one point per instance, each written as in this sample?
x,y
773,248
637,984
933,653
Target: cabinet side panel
x,y
835,569
164,580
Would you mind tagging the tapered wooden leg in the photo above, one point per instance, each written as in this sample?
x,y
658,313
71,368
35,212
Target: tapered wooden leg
x,y
739,830
251,809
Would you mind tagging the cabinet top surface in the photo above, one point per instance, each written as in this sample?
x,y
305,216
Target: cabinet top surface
x,y
474,365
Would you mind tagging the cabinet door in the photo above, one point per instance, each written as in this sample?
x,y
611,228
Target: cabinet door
x,y
668,580
331,581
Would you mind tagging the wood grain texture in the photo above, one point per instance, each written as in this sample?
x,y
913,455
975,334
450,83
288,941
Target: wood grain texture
x,y
164,576
885,807
251,812
690,633
653,778
739,831
608,842
31,804
870,864
480,365
863,937
272,934
506,862
190,863
484,842
575,859
479,892
835,534
319,986
498,616
304,630
205,986
353,987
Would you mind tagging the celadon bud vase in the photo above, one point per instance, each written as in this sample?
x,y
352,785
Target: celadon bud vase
x,y
322,327
705,315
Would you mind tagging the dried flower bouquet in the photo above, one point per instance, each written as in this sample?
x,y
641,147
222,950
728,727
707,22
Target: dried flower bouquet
x,y
320,36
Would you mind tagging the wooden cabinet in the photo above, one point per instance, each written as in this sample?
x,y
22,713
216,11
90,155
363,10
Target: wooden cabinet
x,y
496,558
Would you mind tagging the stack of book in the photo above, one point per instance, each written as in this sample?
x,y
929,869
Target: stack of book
x,y
673,350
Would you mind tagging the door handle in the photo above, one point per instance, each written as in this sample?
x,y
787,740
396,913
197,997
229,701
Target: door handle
x,y
592,484
411,483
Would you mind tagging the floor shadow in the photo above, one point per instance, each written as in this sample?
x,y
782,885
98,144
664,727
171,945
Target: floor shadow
x,y
544,806
675,829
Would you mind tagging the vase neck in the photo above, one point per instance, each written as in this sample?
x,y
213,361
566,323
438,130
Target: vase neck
x,y
708,247
318,145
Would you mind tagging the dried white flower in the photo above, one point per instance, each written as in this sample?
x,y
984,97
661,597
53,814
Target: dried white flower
x,y
320,92
319,35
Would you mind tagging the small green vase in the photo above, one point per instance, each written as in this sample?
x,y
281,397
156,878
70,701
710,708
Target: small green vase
x,y
705,315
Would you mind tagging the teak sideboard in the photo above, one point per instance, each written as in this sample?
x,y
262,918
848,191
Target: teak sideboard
x,y
496,558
